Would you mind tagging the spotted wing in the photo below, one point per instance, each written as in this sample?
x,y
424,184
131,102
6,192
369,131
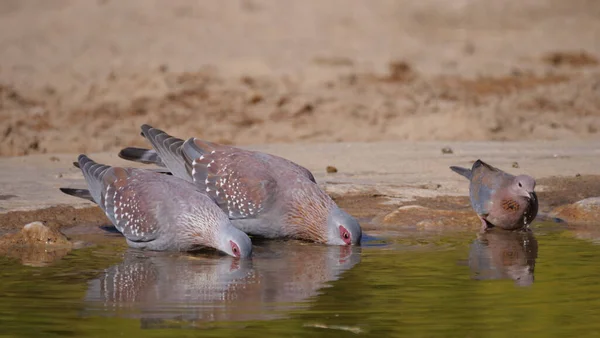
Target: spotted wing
x,y
291,166
240,183
128,204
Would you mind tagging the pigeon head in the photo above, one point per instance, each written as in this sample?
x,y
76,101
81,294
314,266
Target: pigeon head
x,y
342,229
524,185
234,242
312,215
212,228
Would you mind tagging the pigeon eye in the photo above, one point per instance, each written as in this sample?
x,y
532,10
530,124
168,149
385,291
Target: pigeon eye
x,y
345,235
235,249
520,185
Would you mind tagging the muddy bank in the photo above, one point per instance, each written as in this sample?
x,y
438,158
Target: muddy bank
x,y
56,217
375,210
560,202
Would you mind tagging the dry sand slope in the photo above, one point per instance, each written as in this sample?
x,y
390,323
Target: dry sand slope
x,y
81,75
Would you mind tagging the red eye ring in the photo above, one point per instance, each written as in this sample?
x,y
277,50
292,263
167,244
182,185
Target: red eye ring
x,y
345,235
235,248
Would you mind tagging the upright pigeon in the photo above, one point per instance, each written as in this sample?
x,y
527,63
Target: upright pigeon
x,y
160,212
263,194
500,199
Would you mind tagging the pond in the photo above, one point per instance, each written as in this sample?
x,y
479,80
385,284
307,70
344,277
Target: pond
x,y
404,283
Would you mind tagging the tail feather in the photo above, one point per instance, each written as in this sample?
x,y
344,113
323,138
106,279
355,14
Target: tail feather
x,y
81,193
462,171
93,173
146,156
480,164
169,150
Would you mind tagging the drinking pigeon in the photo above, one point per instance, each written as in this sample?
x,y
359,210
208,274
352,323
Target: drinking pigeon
x,y
263,194
499,198
160,212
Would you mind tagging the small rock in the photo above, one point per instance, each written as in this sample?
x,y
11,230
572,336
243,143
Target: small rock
x,y
577,175
34,145
447,150
248,80
54,159
38,233
400,71
430,186
35,245
282,101
515,164
586,212
255,98
306,109
331,169
571,58
429,219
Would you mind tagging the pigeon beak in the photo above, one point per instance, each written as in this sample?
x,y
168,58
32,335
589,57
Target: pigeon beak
x,y
532,196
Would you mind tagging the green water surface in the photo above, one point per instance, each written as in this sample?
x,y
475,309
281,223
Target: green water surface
x,y
414,285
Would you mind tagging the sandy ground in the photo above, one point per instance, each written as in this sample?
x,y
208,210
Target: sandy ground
x,y
388,186
367,173
81,75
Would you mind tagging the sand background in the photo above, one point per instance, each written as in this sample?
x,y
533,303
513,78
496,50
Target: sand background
x,y
81,75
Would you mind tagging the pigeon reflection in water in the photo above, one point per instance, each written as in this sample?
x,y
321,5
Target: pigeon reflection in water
x,y
500,254
280,277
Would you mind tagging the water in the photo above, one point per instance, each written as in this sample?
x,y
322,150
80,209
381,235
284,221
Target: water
x,y
404,284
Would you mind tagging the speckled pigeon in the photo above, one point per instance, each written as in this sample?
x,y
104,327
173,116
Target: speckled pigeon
x,y
263,194
500,199
160,212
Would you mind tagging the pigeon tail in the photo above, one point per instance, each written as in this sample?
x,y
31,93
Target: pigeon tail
x,y
142,155
480,163
81,193
462,171
167,149
94,175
